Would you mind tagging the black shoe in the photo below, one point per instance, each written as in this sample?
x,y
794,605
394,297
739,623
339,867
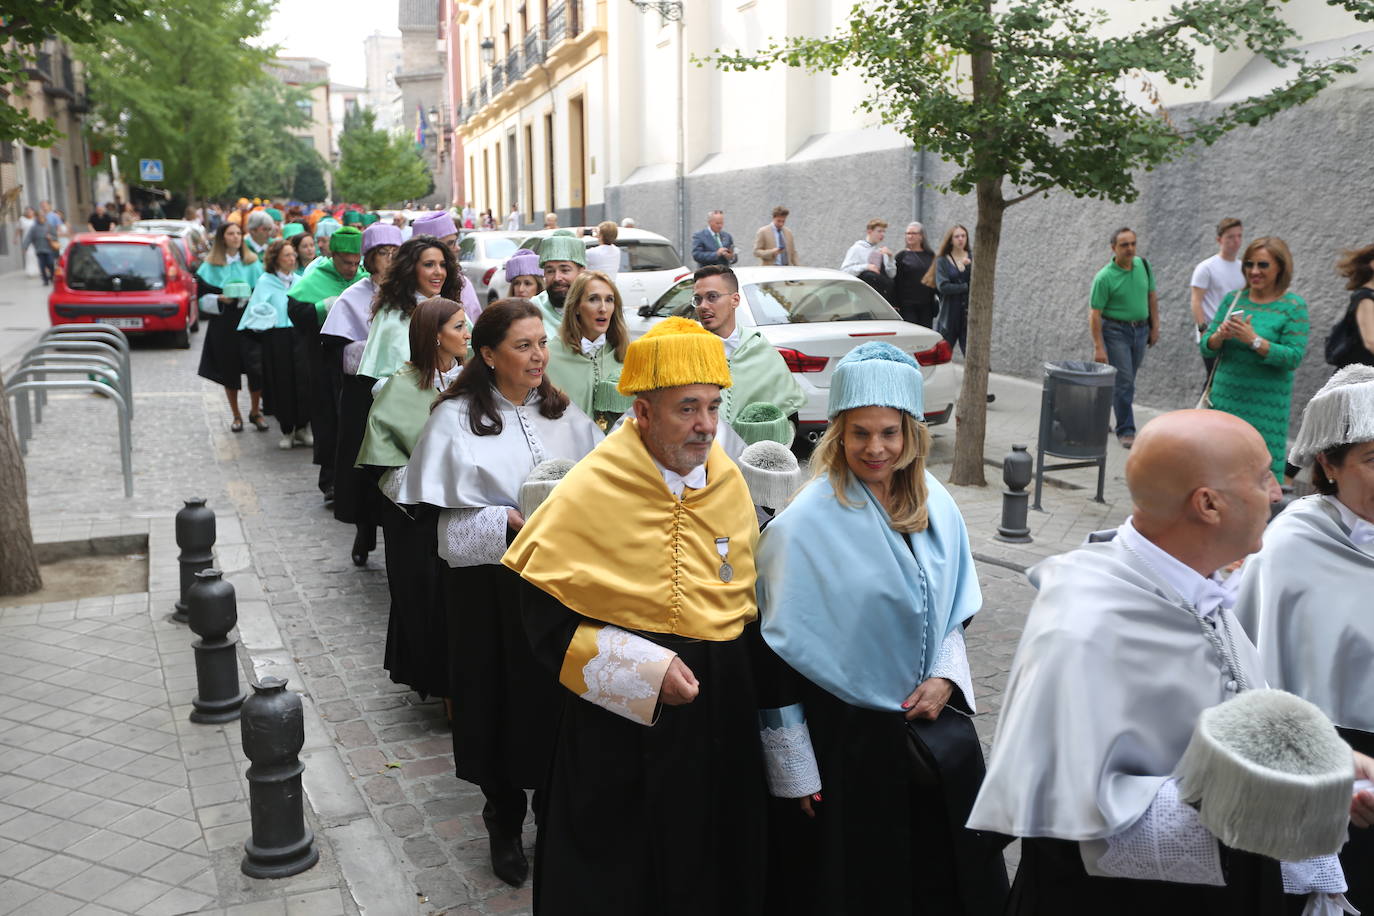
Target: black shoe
x,y
991,397
329,497
508,860
361,547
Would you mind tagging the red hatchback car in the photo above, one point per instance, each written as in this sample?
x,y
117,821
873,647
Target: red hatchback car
x,y
137,282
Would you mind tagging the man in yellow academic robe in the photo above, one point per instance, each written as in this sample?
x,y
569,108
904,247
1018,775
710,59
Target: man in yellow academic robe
x,y
639,572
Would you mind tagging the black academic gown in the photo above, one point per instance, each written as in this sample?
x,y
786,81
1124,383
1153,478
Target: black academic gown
x,y
356,499
417,642
323,370
285,377
1357,856
666,819
226,355
888,834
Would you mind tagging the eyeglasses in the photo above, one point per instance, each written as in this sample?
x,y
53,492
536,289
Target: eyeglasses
x,y
710,298
1261,265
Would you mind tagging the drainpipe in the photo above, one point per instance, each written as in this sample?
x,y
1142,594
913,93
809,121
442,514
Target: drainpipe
x,y
918,179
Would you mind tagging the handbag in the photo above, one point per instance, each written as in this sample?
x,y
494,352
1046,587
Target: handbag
x,y
946,738
1205,401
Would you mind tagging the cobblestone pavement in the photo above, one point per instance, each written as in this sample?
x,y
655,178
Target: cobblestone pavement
x,y
332,616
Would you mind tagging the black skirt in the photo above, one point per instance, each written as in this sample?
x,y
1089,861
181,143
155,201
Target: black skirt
x,y
1357,856
285,377
227,355
356,499
322,368
417,630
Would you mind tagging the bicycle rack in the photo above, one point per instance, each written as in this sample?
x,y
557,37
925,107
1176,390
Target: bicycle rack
x,y
103,366
100,333
68,346
126,456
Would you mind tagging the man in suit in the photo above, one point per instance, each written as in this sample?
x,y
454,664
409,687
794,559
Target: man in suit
x,y
713,245
774,244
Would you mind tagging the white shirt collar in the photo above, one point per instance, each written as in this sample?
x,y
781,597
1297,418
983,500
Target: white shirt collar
x,y
732,342
1361,531
695,478
286,278
1204,593
443,379
233,259
589,347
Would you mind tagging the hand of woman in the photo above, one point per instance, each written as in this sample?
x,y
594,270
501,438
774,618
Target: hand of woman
x,y
808,804
927,700
514,519
1239,329
1362,805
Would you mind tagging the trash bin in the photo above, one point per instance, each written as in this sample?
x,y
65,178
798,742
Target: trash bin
x,y
1075,419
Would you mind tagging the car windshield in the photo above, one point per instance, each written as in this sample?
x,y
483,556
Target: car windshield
x,y
806,301
498,248
647,255
115,266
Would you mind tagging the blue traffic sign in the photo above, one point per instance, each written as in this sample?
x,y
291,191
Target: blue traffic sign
x,y
150,169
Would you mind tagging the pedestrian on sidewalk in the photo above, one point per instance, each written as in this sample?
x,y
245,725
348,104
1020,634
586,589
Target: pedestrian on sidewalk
x,y
417,629
42,238
876,828
1128,642
485,434
950,274
713,245
639,586
227,356
285,362
1124,321
513,218
872,261
605,256
1357,325
773,243
1258,335
27,221
99,220
1215,277
550,220
915,301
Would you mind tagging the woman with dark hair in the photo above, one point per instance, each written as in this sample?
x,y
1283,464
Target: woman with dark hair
x,y
586,357
285,363
417,633
1357,327
1304,598
342,339
1259,334
306,250
224,282
950,273
487,432
421,269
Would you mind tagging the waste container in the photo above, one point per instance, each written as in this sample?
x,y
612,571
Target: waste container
x,y
1075,419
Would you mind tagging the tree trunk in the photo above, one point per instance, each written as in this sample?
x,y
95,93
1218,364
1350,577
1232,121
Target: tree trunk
x,y
19,573
971,414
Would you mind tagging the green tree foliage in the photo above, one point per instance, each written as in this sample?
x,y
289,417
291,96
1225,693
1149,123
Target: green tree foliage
x,y
164,81
24,25
375,169
1035,95
309,185
266,159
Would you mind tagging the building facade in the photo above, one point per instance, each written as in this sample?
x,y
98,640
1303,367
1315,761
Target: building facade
x,y
61,173
421,81
311,75
384,58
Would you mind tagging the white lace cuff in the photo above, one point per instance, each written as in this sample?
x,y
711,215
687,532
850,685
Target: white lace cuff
x,y
789,760
1167,843
353,356
391,482
620,671
1322,873
472,537
952,663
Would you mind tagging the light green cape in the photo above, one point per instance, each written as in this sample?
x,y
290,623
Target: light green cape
x,y
394,423
388,344
218,275
553,318
758,373
322,281
577,375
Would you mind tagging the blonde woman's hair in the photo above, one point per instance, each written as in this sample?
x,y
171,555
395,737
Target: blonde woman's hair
x,y
570,331
908,513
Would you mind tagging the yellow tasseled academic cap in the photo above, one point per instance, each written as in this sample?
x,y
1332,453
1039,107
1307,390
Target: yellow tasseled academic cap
x,y
677,351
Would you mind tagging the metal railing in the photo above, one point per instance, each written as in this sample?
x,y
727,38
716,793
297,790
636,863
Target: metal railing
x,y
513,69
484,91
534,48
558,27
498,81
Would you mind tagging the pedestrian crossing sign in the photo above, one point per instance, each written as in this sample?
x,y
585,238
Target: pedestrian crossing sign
x,y
150,170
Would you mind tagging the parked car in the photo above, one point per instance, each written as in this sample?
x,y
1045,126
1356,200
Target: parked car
x,y
814,316
481,255
649,263
138,282
196,243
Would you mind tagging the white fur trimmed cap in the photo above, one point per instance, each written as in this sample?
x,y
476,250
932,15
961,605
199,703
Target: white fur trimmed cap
x,y
543,478
1342,411
772,473
1271,775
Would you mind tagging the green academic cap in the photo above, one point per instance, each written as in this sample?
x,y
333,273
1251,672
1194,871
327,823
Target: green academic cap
x,y
346,240
352,218
274,213
560,247
370,218
291,230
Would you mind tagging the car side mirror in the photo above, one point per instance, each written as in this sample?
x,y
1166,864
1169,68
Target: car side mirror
x,y
646,311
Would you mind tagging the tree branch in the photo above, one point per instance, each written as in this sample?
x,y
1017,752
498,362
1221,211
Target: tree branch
x,y
1029,194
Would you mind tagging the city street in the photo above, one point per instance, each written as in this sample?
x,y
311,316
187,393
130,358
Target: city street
x,y
380,768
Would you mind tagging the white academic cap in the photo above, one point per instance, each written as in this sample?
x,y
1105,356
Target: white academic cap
x,y
543,478
1340,413
772,473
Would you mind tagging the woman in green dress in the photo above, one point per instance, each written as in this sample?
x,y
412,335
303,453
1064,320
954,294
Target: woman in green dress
x,y
1260,333
585,358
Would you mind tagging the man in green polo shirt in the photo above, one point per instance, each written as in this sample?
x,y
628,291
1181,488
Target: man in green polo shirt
x,y
1124,321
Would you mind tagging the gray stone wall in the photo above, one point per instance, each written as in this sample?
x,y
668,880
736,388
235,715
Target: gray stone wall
x,y
1304,176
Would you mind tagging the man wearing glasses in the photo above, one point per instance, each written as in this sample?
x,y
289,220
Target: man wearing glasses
x,y
1124,319
759,374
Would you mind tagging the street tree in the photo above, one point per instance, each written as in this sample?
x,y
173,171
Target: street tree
x,y
163,82
266,158
375,168
1033,96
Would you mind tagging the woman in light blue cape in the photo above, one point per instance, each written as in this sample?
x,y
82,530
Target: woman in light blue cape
x,y
285,360
865,584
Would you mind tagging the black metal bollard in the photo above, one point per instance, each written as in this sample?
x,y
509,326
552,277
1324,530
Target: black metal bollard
x,y
213,614
1016,474
273,734
195,537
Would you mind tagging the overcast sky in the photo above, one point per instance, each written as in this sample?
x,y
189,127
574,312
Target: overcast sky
x,y
331,30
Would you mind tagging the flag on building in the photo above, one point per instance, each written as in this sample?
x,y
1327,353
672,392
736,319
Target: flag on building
x,y
421,127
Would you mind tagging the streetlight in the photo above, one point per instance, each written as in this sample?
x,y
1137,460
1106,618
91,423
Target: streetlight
x,y
488,47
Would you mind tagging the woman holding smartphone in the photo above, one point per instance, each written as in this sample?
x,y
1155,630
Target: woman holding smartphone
x,y
1259,334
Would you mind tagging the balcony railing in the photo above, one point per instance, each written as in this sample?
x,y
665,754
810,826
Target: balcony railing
x,y
513,69
558,23
484,92
498,79
534,48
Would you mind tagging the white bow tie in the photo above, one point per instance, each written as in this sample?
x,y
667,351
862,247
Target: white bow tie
x,y
1362,533
589,347
695,478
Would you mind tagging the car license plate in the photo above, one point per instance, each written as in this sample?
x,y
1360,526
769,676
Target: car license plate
x,y
132,324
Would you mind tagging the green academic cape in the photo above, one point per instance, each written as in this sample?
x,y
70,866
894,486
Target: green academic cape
x,y
577,375
553,318
758,374
397,416
388,344
320,283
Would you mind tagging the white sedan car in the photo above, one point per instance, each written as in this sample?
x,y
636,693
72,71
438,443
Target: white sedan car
x,y
649,264
814,316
